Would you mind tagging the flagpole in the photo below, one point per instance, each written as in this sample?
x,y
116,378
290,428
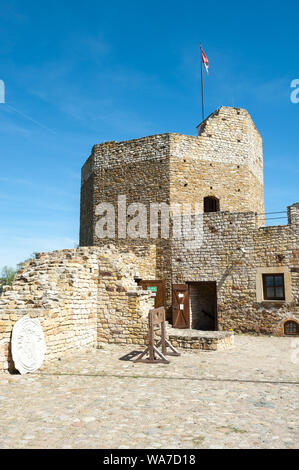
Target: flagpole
x,y
202,91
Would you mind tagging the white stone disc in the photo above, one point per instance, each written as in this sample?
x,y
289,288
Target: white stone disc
x,y
28,345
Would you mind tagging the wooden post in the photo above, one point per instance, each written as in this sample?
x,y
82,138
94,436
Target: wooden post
x,y
156,316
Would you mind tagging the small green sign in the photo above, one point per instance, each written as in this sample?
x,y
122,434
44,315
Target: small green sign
x,y
152,288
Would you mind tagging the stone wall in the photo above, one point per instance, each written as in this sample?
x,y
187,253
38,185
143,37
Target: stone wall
x,y
139,170
225,161
210,341
82,297
238,274
87,296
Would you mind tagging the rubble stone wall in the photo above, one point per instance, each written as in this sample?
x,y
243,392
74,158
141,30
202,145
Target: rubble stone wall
x,y
238,273
225,161
81,297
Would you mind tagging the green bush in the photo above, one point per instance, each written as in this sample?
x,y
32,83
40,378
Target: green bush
x,y
7,276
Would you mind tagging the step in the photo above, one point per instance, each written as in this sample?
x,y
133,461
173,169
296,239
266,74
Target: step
x,y
199,339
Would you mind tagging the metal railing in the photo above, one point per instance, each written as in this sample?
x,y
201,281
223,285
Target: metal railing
x,y
265,216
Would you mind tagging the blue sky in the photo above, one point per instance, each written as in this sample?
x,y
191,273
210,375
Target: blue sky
x,y
79,73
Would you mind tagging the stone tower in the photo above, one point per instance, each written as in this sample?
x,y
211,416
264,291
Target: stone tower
x,y
224,163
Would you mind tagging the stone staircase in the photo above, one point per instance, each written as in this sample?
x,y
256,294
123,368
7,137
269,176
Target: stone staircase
x,y
199,339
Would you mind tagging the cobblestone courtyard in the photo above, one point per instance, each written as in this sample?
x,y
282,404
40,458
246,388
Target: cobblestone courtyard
x,y
246,397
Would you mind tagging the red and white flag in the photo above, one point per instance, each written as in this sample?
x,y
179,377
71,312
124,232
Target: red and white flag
x,y
205,61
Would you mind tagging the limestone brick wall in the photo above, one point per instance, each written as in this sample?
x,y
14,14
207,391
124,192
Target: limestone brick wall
x,y
59,289
293,214
123,307
87,211
139,170
238,274
229,135
225,161
75,294
211,341
237,189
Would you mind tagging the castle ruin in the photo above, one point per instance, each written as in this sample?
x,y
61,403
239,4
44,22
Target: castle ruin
x,y
242,276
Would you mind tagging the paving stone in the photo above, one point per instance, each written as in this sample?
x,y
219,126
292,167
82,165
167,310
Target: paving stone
x,y
124,405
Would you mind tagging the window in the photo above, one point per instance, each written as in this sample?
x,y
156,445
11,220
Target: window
x,y
211,204
291,328
273,286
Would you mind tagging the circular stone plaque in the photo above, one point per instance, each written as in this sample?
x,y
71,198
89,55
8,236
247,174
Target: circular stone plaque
x,y
28,345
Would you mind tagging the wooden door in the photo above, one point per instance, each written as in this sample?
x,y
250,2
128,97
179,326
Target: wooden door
x,y
180,306
158,291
